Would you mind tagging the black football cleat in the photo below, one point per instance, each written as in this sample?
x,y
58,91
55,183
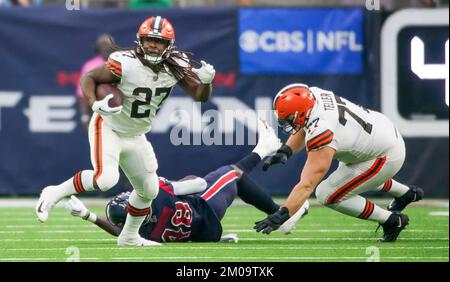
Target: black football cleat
x,y
393,226
413,195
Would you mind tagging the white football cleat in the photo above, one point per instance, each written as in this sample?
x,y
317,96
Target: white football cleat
x,y
289,225
229,238
268,142
45,204
136,241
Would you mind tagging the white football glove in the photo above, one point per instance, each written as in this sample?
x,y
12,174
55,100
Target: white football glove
x,y
77,208
104,109
206,72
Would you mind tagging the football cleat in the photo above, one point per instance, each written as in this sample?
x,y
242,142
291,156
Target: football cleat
x,y
229,238
289,225
136,241
393,226
268,142
413,195
45,204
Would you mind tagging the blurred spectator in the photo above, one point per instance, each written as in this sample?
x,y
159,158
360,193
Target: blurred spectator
x,y
245,3
143,4
22,3
103,48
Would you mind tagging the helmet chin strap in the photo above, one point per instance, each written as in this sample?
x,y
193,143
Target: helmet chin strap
x,y
152,59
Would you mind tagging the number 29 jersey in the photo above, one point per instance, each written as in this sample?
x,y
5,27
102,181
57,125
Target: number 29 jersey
x,y
144,92
357,134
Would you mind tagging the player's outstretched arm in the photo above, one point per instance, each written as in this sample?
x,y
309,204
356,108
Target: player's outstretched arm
x,y
199,89
296,141
295,144
315,169
78,209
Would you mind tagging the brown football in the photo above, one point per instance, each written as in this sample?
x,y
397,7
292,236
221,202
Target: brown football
x,y
104,89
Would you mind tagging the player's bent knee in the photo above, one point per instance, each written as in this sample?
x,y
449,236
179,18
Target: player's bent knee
x,y
151,187
323,192
107,180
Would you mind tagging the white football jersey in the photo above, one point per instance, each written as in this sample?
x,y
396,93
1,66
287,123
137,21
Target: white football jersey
x,y
144,92
357,134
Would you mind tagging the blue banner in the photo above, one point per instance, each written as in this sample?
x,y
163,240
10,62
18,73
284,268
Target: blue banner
x,y
301,41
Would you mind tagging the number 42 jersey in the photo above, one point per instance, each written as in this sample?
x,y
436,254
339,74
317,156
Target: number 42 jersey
x,y
144,92
357,134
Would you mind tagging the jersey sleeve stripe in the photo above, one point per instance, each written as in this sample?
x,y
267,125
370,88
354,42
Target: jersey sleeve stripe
x,y
114,69
115,64
166,187
320,140
321,144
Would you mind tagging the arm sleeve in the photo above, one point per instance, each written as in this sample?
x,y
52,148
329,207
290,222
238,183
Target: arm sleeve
x,y
190,186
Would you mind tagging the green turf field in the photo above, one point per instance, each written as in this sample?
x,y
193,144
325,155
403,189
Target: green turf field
x,y
323,235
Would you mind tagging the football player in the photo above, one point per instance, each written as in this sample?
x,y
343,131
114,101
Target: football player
x,y
146,75
191,209
369,148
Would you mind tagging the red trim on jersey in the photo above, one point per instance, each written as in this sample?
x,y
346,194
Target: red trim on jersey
x,y
354,183
222,182
387,186
163,219
320,140
368,210
166,187
98,160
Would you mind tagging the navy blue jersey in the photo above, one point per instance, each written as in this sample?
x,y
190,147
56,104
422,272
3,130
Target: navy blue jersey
x,y
194,217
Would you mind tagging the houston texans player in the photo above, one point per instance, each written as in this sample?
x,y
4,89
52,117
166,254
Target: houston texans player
x,y
369,148
146,75
191,209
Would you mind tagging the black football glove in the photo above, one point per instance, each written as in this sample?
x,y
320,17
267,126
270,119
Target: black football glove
x,y
281,156
273,221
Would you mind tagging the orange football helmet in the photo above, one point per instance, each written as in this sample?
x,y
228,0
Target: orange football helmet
x,y
293,105
156,27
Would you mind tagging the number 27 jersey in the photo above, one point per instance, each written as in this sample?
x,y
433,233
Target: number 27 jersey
x,y
144,92
357,134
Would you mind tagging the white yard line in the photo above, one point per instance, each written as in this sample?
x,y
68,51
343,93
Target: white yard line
x,y
222,247
337,230
438,213
229,230
215,258
241,239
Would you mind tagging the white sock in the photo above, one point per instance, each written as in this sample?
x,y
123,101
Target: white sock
x,y
394,188
138,209
362,208
82,181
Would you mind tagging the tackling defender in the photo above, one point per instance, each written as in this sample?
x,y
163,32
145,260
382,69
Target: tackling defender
x,y
191,209
369,148
146,75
